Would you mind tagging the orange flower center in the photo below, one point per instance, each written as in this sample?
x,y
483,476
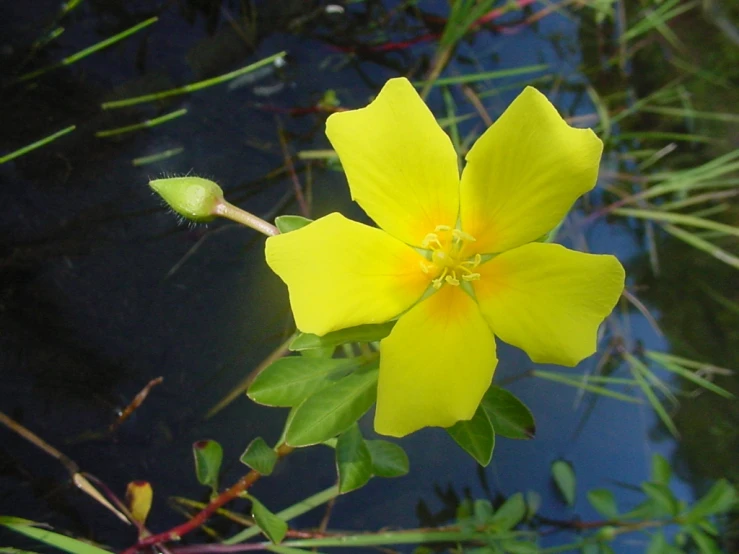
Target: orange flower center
x,y
450,257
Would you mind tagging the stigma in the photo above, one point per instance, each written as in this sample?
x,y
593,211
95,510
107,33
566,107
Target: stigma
x,y
451,262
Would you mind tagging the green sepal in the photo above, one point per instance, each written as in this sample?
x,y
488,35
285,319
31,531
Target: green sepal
x,y
361,333
476,436
259,456
287,223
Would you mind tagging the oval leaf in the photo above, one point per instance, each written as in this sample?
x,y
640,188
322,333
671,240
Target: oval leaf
x,y
289,381
271,525
259,456
332,410
564,478
361,333
510,513
388,459
604,502
662,497
208,457
287,223
720,498
510,417
353,460
661,470
476,436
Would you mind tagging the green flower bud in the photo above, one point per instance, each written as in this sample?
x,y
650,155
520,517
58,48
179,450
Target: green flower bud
x,y
194,198
607,533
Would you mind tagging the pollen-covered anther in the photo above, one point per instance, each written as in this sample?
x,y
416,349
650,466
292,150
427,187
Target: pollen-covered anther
x,y
452,280
462,236
431,240
471,277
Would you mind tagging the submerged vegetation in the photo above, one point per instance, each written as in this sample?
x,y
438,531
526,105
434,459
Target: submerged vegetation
x,y
658,82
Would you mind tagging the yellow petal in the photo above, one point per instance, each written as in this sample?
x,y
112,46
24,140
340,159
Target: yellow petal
x,y
341,273
435,366
524,173
401,166
548,300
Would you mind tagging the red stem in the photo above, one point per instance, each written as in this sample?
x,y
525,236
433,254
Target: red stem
x,y
176,533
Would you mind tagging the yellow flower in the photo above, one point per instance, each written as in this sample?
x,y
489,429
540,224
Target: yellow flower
x,y
453,258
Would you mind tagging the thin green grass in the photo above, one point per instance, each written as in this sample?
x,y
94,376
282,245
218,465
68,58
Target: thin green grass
x,y
640,373
77,56
672,364
484,76
678,219
192,87
143,125
37,144
158,157
579,384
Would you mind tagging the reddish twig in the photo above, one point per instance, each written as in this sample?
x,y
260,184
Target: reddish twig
x,y
201,517
135,403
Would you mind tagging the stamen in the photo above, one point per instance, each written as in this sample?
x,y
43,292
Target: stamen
x,y
442,228
424,267
431,238
471,277
452,280
461,235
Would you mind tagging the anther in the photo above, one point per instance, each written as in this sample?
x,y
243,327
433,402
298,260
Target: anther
x,y
424,267
461,235
430,239
442,228
452,280
471,277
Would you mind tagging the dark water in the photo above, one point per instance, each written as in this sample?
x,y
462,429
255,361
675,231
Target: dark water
x,y
102,290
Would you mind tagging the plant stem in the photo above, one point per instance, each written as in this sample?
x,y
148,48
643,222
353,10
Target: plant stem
x,y
201,517
234,213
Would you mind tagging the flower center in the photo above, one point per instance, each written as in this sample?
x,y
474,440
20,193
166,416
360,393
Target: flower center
x,y
449,260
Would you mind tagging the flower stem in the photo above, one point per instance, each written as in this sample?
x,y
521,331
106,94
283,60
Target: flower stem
x,y
234,213
201,517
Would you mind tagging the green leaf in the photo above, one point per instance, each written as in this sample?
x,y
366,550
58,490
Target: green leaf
x,y
662,496
208,457
476,436
259,456
510,417
287,223
271,525
706,544
533,503
510,513
353,460
604,502
564,478
719,499
361,333
332,410
289,381
658,544
62,542
388,459
661,470
482,511
520,547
